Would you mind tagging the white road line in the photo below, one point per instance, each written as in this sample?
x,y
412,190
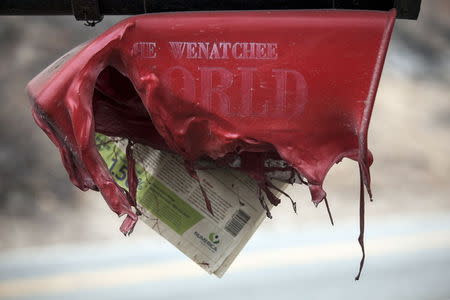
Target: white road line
x,y
120,276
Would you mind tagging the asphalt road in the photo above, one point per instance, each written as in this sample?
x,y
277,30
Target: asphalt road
x,y
407,258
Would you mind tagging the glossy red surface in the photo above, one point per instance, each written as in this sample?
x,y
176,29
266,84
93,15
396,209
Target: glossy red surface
x,y
298,85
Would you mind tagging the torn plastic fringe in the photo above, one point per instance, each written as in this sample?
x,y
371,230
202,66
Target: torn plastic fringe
x,y
132,185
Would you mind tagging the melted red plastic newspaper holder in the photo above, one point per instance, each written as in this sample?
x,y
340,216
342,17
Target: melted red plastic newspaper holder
x,y
233,87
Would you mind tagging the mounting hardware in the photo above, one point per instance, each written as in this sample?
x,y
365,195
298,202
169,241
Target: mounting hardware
x,y
88,11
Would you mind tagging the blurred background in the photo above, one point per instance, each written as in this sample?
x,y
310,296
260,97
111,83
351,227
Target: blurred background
x,y
57,242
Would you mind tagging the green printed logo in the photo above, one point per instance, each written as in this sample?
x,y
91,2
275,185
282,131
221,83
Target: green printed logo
x,y
214,238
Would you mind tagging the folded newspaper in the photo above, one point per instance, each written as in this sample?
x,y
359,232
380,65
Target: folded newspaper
x,y
172,203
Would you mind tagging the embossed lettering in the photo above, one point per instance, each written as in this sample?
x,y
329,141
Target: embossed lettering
x,y
145,49
212,50
177,49
247,90
298,95
208,90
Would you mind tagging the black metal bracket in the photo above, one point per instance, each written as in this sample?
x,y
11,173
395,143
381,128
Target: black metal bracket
x,y
88,11
92,11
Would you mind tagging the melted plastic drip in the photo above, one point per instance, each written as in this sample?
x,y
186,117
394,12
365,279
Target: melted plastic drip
x,y
132,177
329,212
272,186
361,221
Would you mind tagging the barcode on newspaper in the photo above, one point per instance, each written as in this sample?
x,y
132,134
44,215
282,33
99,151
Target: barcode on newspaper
x,y
237,222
